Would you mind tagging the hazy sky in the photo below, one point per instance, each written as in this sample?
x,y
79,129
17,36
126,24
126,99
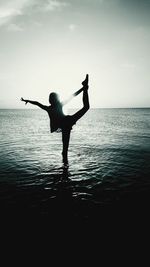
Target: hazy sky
x,y
50,45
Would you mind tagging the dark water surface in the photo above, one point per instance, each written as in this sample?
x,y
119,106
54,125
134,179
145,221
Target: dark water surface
x,y
109,164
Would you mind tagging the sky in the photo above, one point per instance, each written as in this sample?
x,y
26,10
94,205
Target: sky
x,y
50,45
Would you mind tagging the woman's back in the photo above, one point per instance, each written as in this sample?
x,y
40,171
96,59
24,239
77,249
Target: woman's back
x,y
56,115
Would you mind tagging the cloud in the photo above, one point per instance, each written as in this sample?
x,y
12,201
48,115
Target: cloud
x,y
14,28
11,9
53,5
6,14
50,5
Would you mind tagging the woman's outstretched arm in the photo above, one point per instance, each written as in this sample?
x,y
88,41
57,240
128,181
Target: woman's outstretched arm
x,y
34,103
85,85
72,96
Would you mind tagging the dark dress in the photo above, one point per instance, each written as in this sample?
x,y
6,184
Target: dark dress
x,y
58,120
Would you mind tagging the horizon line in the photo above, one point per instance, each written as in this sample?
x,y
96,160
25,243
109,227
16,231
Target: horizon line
x,y
77,108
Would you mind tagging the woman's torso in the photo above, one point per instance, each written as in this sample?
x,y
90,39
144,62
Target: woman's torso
x,y
56,116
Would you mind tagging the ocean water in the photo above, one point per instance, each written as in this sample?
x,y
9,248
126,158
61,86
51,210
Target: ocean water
x,y
109,159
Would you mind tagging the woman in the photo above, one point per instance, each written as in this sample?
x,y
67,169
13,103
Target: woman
x,y
60,121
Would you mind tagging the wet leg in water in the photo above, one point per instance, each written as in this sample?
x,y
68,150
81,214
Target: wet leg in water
x,y
65,140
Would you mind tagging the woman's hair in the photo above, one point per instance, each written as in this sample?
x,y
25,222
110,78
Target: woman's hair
x,y
53,98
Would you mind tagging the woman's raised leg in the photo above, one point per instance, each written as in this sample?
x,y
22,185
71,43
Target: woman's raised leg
x,y
85,108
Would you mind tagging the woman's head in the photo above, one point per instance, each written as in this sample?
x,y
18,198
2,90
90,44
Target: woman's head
x,y
53,98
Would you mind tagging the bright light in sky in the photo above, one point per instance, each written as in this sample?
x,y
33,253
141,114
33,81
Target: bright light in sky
x,y
50,46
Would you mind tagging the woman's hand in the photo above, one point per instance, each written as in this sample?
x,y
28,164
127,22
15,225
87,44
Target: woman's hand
x,y
22,99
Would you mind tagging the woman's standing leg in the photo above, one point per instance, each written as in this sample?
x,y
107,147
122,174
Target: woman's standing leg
x,y
65,140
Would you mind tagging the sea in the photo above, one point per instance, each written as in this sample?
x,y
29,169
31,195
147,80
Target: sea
x,y
109,164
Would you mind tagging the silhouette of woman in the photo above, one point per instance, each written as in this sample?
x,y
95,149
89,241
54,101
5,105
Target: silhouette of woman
x,y
60,121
